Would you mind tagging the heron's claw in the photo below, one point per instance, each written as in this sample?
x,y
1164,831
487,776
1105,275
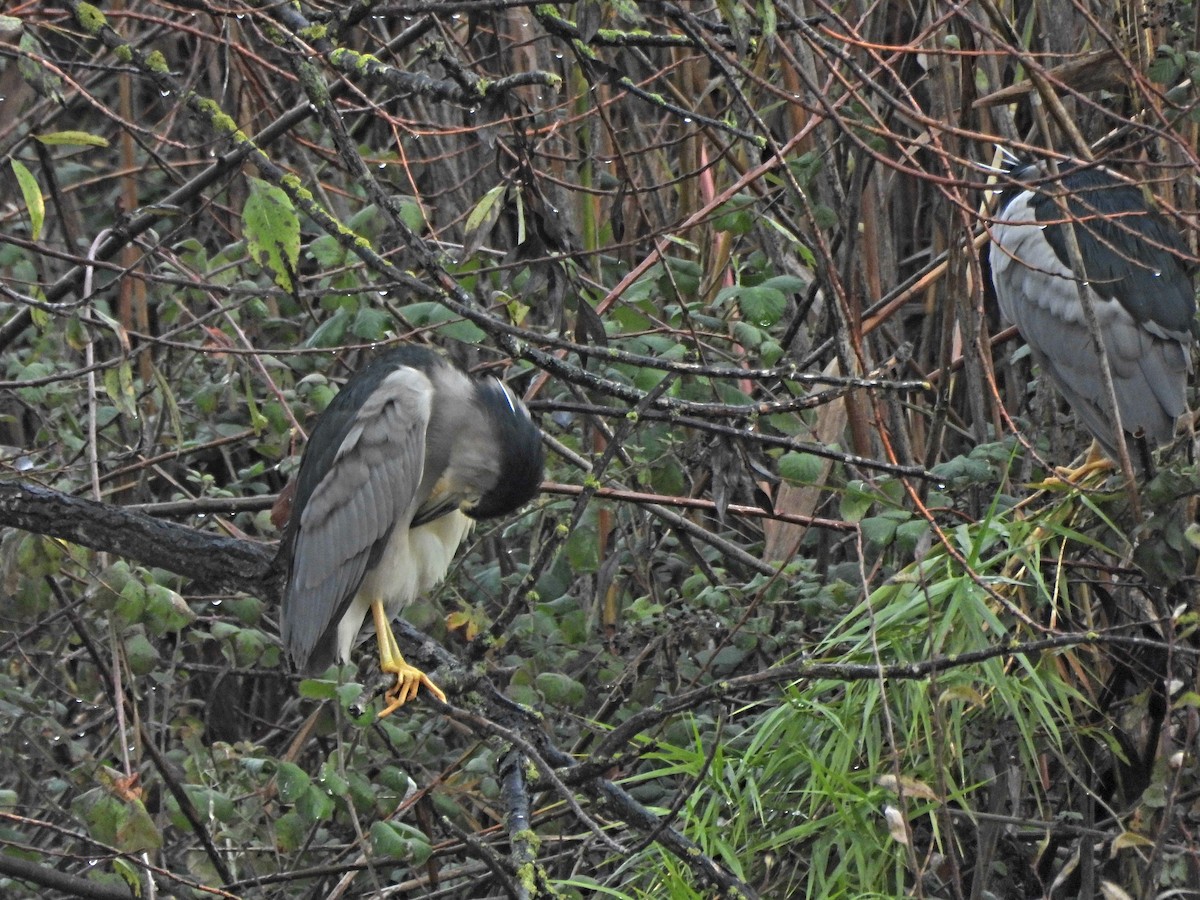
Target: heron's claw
x,y
409,680
1078,474
408,677
1095,461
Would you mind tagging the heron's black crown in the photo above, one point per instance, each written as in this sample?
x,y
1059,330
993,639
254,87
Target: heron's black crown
x,y
520,458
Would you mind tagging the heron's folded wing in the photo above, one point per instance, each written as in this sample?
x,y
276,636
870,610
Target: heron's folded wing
x,y
1038,293
368,487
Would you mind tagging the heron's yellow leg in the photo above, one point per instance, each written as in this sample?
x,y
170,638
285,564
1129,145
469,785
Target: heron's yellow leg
x,y
408,677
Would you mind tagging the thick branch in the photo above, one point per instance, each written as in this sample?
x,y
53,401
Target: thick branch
x,y
24,870
213,561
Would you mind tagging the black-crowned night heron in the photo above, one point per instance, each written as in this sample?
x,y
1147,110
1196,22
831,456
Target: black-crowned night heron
x,y
409,453
1135,271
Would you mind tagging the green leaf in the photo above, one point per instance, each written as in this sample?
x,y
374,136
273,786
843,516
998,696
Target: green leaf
x,y
224,631
392,776
315,805
909,533
330,332
140,653
118,384
71,139
46,82
34,202
131,603
387,842
327,252
332,780
800,468
371,324
272,231
347,693
361,791
430,313
482,218
322,395
768,24
316,689
789,284
399,840
247,610
130,873
366,222
824,217
210,804
761,305
685,275
290,831
124,823
137,832
166,610
1186,699
103,814
411,213
855,502
559,689
735,216
248,646
1167,66
878,530
419,851
806,167
749,336
582,549
293,782
964,470
770,352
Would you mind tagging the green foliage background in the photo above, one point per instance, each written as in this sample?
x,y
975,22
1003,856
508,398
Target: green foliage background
x,y
796,614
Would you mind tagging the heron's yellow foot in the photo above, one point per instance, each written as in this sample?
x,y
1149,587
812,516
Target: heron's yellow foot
x,y
409,678
1095,461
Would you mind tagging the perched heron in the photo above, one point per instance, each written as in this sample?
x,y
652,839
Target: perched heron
x,y
409,453
1137,275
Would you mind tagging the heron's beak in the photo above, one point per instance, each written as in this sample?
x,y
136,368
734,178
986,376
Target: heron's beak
x,y
442,500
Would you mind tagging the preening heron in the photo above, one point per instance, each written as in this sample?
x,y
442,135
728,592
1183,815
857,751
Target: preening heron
x,y
1136,271
407,455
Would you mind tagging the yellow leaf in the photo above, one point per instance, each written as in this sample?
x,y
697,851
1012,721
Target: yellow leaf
x,y
1127,839
35,205
72,138
467,623
897,827
963,692
909,787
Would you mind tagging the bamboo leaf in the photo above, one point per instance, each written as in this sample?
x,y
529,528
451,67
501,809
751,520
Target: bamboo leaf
x,y
34,202
71,139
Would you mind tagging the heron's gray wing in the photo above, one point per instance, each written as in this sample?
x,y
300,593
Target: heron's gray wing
x,y
367,488
1038,294
1129,252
